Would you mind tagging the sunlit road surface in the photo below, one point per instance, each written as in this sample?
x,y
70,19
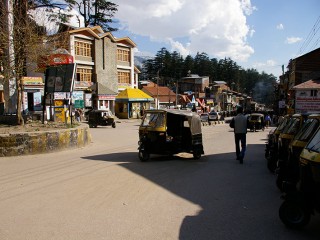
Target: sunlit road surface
x,y
103,191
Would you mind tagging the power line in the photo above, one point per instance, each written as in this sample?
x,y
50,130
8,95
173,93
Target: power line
x,y
310,36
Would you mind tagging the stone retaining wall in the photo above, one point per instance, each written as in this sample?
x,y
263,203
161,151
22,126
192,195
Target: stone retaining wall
x,y
43,142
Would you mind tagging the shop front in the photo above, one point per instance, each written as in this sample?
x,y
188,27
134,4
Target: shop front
x,y
130,103
33,91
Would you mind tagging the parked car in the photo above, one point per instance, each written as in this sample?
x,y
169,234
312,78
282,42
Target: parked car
x,y
214,116
204,118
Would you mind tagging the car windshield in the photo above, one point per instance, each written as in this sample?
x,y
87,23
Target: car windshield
x,y
153,120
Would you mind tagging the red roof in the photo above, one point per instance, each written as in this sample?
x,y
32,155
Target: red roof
x,y
164,94
311,84
160,91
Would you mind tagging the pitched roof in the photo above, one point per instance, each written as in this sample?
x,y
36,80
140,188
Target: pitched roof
x,y
160,91
133,93
311,84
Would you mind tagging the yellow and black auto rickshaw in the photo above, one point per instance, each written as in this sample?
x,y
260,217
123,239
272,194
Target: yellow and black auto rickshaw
x,y
256,122
299,205
102,118
288,171
271,152
168,132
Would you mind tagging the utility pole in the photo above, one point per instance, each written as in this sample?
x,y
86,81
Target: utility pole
x,y
158,89
177,89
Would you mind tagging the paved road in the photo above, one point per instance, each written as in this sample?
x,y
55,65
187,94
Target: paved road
x,y
104,192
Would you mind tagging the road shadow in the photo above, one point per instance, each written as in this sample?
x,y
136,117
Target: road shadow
x,y
231,196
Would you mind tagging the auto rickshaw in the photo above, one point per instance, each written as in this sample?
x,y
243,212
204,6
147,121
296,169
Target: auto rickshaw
x,y
288,171
271,152
299,205
256,122
101,117
288,134
168,132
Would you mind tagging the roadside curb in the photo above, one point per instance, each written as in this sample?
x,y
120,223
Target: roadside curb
x,y
15,144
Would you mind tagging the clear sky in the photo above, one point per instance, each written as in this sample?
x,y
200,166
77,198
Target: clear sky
x,y
260,34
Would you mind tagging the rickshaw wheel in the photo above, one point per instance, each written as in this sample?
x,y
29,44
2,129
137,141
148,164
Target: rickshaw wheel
x,y
293,214
114,125
144,156
279,181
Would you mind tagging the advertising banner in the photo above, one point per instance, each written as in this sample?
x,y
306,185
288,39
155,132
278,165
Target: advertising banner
x,y
60,78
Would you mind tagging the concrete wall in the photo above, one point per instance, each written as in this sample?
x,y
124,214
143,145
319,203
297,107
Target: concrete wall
x,y
43,142
106,63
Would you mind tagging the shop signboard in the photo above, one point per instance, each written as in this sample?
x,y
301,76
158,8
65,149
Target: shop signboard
x,y
59,111
79,104
88,100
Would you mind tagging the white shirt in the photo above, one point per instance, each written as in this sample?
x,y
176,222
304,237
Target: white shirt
x,y
240,123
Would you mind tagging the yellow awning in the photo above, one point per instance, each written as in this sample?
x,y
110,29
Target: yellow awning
x,y
133,95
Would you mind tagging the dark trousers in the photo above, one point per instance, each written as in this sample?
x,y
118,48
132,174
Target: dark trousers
x,y
240,138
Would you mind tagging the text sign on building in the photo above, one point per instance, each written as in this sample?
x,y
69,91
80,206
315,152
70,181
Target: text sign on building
x,y
307,104
60,78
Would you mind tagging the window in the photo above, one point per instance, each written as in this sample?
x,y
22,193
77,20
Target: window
x,y
84,74
124,77
83,49
123,55
314,93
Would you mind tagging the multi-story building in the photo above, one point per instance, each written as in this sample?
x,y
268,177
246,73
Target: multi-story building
x,y
299,70
105,65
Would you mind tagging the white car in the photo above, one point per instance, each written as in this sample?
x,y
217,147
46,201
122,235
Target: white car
x,y
214,116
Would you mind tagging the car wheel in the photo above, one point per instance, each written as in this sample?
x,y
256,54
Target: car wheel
x,y
114,125
293,214
144,156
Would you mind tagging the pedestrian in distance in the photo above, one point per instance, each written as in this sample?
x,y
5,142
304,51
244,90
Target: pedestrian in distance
x,y
77,115
267,120
239,123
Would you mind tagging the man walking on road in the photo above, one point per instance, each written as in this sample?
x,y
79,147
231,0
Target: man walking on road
x,y
239,124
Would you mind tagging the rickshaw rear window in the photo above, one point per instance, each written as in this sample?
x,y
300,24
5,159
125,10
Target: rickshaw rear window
x,y
153,120
254,118
314,144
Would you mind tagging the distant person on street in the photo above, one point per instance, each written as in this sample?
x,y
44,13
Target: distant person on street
x,y
77,115
267,120
239,123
